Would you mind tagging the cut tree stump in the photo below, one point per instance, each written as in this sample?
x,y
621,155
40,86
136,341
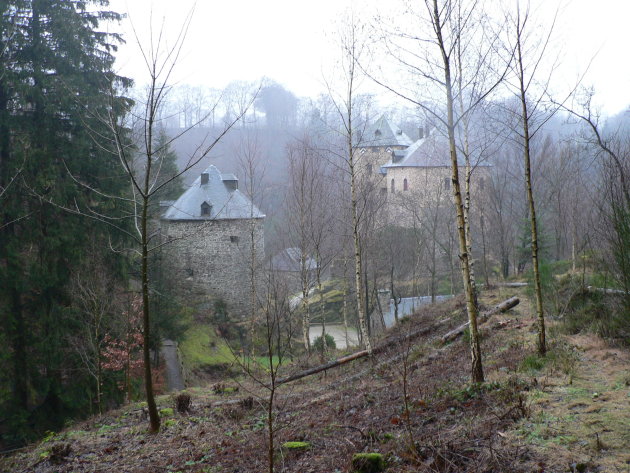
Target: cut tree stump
x,y
502,307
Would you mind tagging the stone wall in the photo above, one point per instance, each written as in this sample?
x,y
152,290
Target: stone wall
x,y
426,186
212,259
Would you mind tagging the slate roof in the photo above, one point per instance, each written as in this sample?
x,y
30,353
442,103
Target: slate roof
x,y
429,152
289,260
382,133
226,203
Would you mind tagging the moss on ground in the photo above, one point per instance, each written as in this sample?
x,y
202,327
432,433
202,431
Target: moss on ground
x,y
201,346
368,463
296,445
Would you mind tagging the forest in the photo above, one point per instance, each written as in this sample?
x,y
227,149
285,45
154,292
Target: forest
x,y
501,202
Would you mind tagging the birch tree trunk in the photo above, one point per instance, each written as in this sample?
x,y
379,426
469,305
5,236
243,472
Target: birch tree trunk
x,y
345,299
469,291
525,118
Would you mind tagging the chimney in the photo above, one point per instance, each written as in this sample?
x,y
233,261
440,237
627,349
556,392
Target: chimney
x,y
204,178
420,133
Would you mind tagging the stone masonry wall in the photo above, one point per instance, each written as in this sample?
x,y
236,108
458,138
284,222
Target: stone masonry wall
x,y
211,259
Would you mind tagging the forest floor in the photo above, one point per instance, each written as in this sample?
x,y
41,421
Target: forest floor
x,y
568,412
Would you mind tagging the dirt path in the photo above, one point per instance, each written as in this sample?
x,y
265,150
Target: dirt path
x,y
581,408
174,378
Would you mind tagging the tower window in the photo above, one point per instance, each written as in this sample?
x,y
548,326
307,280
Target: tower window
x,y
405,185
233,239
447,183
393,185
206,208
369,168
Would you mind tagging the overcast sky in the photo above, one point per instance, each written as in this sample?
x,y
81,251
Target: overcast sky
x,y
290,41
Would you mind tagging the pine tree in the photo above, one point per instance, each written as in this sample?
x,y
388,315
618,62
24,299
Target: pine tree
x,y
56,70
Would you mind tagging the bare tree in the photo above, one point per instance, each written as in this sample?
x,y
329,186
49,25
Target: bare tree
x,y
300,202
436,60
613,151
133,144
276,313
348,112
251,163
526,54
321,218
94,289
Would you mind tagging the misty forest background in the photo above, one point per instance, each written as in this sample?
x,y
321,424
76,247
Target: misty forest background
x,y
68,268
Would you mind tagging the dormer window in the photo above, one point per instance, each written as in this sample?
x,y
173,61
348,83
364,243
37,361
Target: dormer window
x,y
389,150
230,181
206,208
377,133
204,178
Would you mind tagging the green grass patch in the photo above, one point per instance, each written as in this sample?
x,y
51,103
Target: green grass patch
x,y
166,412
263,361
532,363
201,346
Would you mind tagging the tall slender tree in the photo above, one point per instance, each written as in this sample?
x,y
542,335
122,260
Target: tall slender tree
x,y
449,32
347,105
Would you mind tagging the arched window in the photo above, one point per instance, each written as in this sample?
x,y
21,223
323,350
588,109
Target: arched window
x,y
393,187
405,185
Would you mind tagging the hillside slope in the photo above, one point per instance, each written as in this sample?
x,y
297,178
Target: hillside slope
x,y
568,412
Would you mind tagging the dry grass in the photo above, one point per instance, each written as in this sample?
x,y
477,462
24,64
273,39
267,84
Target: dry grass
x,y
523,419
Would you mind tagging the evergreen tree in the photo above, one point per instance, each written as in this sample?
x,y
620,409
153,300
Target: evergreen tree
x,y
163,169
56,71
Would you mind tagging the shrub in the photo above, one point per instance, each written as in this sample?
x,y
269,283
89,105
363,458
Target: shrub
x,y
182,403
330,343
595,312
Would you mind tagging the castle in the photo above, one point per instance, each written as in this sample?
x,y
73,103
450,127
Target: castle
x,y
215,242
408,175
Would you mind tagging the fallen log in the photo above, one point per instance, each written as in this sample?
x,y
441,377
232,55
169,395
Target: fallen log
x,y
512,284
605,290
352,357
326,366
502,307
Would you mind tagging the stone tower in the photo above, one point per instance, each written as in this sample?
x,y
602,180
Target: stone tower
x,y
215,237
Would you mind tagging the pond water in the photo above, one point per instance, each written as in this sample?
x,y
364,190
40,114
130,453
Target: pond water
x,y
338,333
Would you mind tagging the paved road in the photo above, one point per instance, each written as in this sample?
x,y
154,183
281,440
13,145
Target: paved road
x,y
174,378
